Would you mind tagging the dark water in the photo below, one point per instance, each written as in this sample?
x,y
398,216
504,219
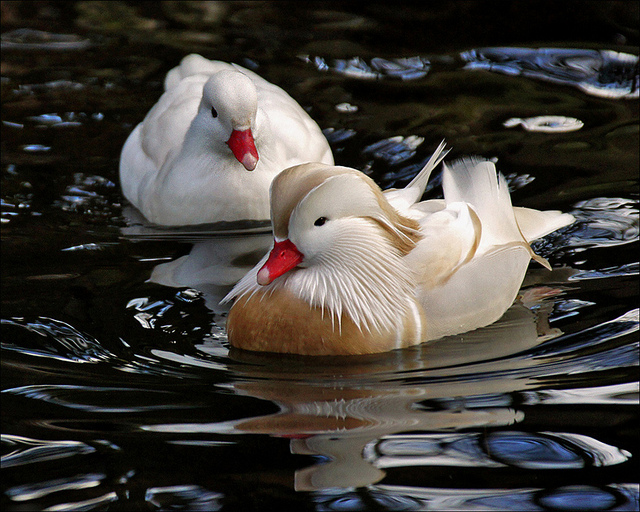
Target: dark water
x,y
119,388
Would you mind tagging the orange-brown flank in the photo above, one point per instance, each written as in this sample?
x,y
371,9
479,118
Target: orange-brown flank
x,y
280,322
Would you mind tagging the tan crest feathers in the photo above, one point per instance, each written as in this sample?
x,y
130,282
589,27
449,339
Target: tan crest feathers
x,y
291,186
403,232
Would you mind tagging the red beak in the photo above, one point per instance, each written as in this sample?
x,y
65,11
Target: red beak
x,y
244,148
283,257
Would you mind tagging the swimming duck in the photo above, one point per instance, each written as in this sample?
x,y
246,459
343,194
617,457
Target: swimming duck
x,y
209,148
355,270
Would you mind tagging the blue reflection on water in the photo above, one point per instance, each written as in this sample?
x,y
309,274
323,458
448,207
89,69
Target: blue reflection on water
x,y
578,497
603,73
410,68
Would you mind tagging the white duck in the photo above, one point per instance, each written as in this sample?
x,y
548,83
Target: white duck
x,y
355,270
188,161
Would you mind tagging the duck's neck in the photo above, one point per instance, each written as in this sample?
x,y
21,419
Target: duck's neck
x,y
362,286
201,153
363,277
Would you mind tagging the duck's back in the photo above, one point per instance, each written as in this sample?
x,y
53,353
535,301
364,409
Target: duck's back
x,y
484,252
159,136
192,65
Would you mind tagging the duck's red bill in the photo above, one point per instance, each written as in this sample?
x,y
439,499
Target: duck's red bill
x,y
244,148
283,257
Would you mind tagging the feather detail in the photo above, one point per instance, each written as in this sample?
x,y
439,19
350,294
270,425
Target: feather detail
x,y
372,288
421,179
377,271
403,199
477,183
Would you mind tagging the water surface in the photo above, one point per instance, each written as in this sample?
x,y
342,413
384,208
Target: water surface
x,y
119,389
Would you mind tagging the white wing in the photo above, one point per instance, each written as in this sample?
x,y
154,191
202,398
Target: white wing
x,y
477,294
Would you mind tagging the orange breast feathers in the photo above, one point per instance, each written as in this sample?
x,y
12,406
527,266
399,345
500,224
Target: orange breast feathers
x,y
277,321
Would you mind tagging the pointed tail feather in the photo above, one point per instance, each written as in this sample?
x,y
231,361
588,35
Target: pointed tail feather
x,y
535,224
421,179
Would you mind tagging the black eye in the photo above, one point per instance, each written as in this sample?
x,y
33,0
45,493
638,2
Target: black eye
x,y
320,221
214,112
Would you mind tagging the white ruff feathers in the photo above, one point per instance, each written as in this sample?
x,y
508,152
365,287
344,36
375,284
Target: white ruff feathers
x,y
362,277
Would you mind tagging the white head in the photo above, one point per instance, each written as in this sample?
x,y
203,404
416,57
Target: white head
x,y
227,115
339,244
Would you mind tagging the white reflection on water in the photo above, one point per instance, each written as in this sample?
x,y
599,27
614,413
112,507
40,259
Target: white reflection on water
x,y
356,416
617,394
41,489
545,124
23,450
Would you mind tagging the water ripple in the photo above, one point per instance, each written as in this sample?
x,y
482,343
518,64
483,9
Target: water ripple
x,y
626,324
29,39
104,399
89,195
602,73
41,489
528,450
60,341
24,450
547,450
605,221
179,497
600,222
617,394
620,497
409,68
394,150
545,124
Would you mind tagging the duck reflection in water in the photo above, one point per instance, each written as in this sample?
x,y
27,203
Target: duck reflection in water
x,y
339,408
220,255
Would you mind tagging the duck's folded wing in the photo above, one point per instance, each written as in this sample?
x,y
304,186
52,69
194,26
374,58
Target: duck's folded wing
x,y
292,132
135,166
477,294
477,183
449,239
165,126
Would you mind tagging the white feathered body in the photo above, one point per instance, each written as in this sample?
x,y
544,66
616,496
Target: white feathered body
x,y
387,271
176,166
